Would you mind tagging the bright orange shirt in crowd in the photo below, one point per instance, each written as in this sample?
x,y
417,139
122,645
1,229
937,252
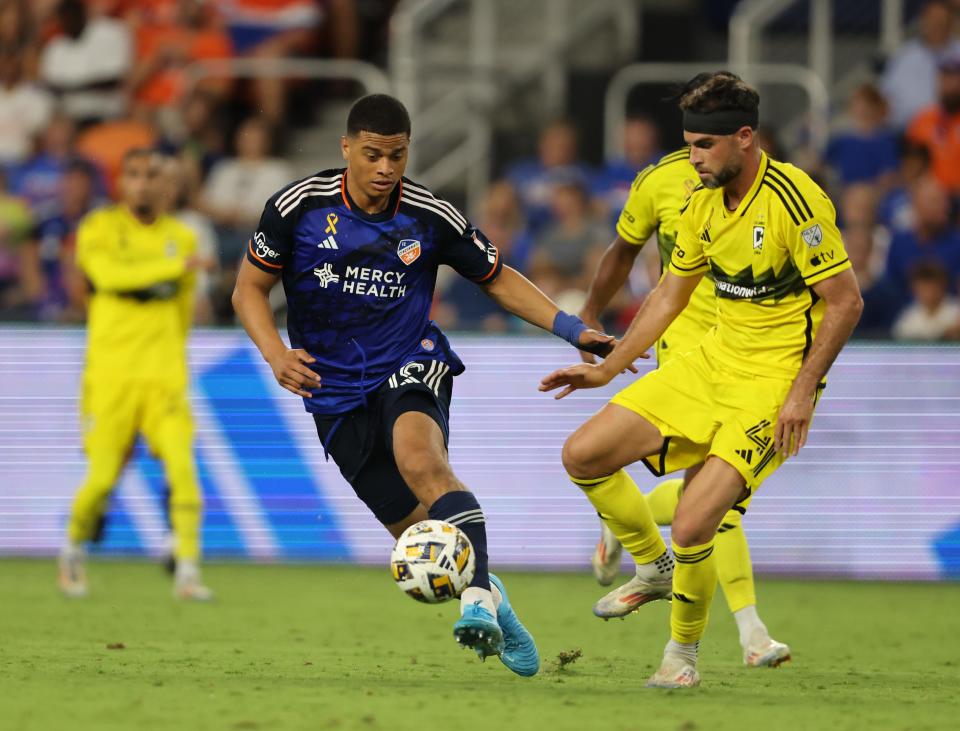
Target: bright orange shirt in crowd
x,y
940,132
169,84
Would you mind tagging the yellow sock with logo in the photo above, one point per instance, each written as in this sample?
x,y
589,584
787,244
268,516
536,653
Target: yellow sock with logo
x,y
624,509
694,583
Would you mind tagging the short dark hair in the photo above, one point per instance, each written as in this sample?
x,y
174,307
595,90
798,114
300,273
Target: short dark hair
x,y
718,91
380,114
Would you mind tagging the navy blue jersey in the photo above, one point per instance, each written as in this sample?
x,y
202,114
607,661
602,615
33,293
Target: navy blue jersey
x,y
359,287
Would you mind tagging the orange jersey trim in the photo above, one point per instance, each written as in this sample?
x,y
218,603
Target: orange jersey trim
x,y
492,269
261,259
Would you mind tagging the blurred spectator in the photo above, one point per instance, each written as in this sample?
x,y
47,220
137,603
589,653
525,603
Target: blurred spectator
x,y
38,179
25,110
107,142
86,65
15,224
237,187
867,151
278,29
199,139
769,142
18,35
641,147
896,210
557,163
174,35
933,315
565,253
938,126
932,238
177,203
464,305
910,79
51,281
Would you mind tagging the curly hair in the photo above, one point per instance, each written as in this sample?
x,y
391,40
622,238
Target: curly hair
x,y
718,91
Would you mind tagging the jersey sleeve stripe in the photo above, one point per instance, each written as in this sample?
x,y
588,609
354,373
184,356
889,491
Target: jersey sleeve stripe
x,y
261,259
306,193
824,271
783,200
774,170
687,269
427,197
793,201
303,185
492,270
407,198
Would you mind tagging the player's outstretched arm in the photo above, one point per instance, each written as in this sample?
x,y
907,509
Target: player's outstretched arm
x,y
612,273
841,293
251,300
657,312
517,294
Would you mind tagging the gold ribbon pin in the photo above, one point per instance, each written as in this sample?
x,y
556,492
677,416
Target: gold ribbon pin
x,y
332,220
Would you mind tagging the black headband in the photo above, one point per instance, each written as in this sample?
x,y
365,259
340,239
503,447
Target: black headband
x,y
724,122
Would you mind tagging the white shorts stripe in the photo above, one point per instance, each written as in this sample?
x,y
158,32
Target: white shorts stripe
x,y
430,372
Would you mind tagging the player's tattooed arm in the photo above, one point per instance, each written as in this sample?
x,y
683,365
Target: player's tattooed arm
x,y
518,295
657,312
251,300
841,293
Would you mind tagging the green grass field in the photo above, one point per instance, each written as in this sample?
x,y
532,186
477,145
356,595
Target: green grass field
x,y
301,647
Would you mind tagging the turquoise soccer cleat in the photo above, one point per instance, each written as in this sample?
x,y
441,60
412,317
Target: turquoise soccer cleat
x,y
519,650
477,629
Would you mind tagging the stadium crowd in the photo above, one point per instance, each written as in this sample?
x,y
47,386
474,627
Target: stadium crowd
x,y
82,81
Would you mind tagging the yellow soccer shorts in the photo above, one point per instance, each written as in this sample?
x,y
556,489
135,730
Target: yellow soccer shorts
x,y
702,408
113,412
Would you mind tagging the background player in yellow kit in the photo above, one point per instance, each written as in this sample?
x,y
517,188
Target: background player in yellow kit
x,y
140,265
654,204
742,401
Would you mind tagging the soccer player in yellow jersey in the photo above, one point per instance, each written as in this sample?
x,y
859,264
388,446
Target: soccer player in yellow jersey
x,y
741,402
654,204
140,265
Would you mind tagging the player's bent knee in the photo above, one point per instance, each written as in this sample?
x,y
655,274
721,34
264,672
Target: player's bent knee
x,y
690,530
426,472
579,460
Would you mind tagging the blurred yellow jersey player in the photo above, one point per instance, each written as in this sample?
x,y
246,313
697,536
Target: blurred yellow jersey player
x,y
140,266
656,198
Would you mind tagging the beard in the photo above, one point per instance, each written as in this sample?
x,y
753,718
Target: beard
x,y
726,174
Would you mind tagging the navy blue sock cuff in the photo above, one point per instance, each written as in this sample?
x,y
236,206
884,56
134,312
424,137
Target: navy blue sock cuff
x,y
457,508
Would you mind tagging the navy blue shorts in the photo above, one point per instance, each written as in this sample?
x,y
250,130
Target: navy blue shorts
x,y
361,441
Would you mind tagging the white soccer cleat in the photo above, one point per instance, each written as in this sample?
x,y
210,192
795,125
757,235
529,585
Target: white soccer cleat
x,y
762,651
631,596
606,557
674,672
192,591
187,584
73,573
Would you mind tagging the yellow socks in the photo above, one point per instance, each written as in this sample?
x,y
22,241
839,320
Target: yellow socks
x,y
624,509
663,500
733,563
694,582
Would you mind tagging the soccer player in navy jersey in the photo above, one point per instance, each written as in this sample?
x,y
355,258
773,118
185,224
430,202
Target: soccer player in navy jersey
x,y
357,250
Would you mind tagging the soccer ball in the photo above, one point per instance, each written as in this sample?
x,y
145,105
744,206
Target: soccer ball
x,y
433,561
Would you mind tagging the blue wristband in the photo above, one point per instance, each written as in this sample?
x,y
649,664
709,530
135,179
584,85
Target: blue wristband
x,y
568,327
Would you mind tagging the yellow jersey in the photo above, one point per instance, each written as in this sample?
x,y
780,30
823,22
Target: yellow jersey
x,y
763,257
141,304
656,197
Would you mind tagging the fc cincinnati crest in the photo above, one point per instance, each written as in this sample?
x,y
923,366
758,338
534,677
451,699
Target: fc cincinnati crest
x,y
408,250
